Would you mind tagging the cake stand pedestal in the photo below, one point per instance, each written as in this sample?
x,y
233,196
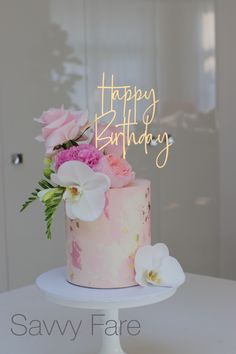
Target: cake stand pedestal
x,y
54,286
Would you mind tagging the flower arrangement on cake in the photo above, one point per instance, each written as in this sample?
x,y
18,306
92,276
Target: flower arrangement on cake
x,y
107,209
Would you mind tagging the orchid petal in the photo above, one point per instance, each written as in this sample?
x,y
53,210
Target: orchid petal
x,y
54,178
140,279
154,267
90,206
73,172
143,259
90,202
100,180
70,210
159,251
171,272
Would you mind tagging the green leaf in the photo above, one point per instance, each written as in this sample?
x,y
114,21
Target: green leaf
x,y
68,144
47,171
51,206
33,196
47,161
51,201
45,184
73,143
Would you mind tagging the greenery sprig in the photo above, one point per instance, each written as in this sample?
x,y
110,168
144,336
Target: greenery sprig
x,y
65,145
51,200
33,196
53,194
51,204
68,144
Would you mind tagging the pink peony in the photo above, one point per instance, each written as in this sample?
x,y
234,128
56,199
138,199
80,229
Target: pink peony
x,y
59,126
85,153
109,132
117,169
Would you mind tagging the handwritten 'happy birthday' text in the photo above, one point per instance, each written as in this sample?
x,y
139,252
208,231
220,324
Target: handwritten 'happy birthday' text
x,y
128,98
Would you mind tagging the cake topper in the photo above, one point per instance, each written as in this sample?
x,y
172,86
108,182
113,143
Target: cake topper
x,y
137,107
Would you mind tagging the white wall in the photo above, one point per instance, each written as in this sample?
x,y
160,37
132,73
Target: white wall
x,y
189,185
226,67
3,239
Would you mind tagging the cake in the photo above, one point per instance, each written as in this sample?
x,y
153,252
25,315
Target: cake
x,y
108,237
100,254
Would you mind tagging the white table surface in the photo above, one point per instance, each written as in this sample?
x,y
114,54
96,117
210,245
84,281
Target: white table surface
x,y
199,319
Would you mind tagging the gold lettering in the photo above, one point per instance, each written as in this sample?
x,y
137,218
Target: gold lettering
x,y
163,139
123,94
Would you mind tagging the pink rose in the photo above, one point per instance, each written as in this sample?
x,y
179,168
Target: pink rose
x,y
118,169
111,131
59,126
85,153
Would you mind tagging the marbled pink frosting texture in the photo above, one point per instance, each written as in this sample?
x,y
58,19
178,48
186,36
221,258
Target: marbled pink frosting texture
x,y
100,254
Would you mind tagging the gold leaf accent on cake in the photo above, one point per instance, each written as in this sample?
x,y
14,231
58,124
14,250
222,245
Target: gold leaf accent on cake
x,y
125,229
131,262
77,224
72,276
131,257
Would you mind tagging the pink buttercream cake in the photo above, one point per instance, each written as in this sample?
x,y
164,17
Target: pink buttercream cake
x,y
100,254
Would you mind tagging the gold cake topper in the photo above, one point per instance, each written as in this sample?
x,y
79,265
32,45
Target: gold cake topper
x,y
128,98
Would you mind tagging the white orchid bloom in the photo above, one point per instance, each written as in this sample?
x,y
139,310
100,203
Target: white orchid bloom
x,y
154,266
84,195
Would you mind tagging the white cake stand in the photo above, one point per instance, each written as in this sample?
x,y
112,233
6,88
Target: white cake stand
x,y
54,286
